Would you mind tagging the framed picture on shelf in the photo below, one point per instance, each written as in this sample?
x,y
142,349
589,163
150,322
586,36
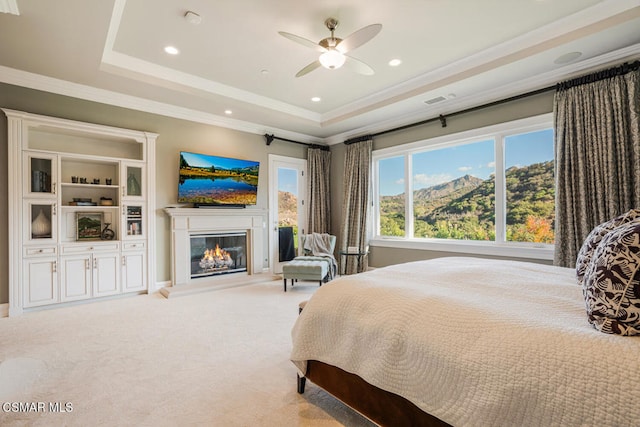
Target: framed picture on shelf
x,y
88,225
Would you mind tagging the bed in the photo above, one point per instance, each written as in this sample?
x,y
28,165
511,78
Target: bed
x,y
467,342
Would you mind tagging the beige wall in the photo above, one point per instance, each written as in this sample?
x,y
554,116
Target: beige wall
x,y
380,257
174,135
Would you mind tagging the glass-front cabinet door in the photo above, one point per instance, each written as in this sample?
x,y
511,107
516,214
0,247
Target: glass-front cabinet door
x,y
132,179
41,169
134,224
41,221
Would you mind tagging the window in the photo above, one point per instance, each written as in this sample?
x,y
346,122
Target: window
x,y
530,190
390,197
453,192
491,187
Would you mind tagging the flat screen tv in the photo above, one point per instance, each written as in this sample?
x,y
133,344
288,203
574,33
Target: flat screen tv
x,y
217,181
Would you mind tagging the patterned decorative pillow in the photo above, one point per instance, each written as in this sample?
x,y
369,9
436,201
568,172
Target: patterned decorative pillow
x,y
595,237
612,282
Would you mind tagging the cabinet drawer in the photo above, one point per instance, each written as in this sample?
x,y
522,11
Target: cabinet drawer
x,y
129,246
40,250
89,247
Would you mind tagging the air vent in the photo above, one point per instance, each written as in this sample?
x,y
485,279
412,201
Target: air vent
x,y
435,100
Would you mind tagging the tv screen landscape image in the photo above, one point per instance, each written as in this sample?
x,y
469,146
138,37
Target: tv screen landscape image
x,y
213,180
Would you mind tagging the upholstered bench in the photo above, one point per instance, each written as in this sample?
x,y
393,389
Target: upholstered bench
x,y
305,268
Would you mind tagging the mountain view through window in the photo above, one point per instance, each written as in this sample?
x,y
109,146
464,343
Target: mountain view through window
x,y
454,191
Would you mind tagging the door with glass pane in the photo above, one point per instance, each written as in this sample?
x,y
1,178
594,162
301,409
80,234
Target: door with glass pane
x,y
287,213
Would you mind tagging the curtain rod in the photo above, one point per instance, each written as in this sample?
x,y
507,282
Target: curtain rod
x,y
269,139
443,118
619,70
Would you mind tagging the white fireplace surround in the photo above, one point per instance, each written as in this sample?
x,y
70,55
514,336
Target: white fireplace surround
x,y
188,221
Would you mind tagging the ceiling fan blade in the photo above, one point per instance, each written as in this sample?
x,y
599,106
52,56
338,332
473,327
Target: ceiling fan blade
x,y
359,38
309,68
303,41
358,66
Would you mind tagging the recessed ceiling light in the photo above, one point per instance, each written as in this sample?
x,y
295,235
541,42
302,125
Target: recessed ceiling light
x,y
567,57
171,50
395,62
316,99
228,112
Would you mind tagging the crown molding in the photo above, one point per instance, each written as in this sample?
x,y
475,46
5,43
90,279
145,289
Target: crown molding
x,y
89,93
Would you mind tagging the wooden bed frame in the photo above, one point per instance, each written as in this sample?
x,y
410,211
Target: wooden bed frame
x,y
380,406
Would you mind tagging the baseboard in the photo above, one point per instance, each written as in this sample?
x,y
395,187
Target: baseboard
x,y
159,286
4,310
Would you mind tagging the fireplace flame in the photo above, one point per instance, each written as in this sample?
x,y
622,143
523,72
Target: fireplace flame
x,y
216,258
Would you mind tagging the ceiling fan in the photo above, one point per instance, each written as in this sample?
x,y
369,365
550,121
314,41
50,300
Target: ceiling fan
x,y
334,50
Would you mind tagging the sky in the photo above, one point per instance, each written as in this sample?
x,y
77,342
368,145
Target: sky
x,y
477,159
288,180
204,160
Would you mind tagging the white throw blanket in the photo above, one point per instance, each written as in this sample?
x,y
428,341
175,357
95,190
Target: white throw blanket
x,y
476,342
319,245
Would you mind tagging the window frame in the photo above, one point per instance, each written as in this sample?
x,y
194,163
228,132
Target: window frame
x,y
499,247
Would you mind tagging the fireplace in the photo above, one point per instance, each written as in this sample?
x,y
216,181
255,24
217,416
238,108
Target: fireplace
x,y
214,254
241,233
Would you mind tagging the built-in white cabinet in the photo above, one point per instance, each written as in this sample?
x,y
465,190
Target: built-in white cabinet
x,y
75,277
134,272
40,219
133,181
77,193
40,281
89,270
41,170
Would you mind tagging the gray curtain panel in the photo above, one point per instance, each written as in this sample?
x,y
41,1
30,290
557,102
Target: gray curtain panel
x,y
356,201
597,131
318,191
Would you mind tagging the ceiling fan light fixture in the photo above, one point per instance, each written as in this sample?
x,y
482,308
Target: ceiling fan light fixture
x,y
332,59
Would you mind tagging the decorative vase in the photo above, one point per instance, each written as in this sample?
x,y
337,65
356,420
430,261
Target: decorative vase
x,y
133,186
41,225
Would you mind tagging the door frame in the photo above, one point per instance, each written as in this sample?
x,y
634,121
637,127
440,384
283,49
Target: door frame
x,y
275,162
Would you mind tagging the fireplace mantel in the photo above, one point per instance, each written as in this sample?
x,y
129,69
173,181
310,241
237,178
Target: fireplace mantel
x,y
188,221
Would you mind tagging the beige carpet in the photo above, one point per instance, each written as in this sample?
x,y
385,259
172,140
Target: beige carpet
x,y
218,358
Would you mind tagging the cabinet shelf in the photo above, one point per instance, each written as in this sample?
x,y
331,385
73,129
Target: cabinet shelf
x,y
88,208
78,185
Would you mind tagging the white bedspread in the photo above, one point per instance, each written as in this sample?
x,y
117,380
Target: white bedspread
x,y
476,342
